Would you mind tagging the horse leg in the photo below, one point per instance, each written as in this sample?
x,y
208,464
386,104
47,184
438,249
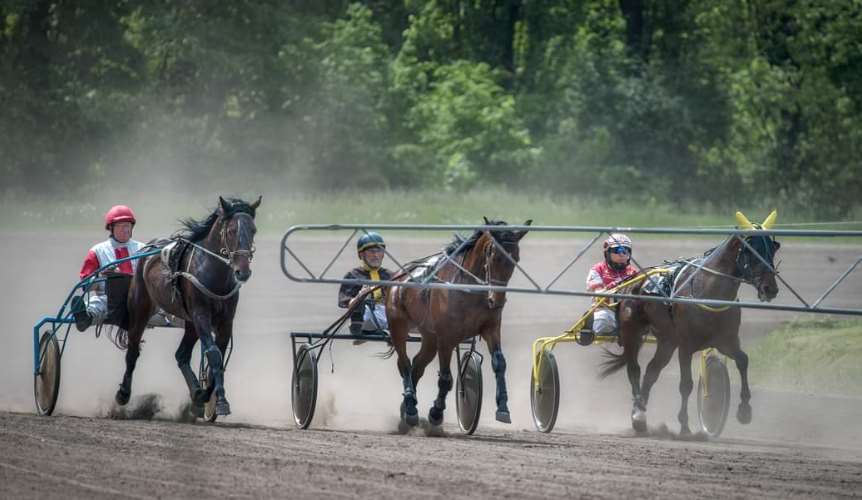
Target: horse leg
x,y
214,356
398,335
631,347
743,412
184,357
498,363
444,385
426,353
224,331
663,353
132,353
685,386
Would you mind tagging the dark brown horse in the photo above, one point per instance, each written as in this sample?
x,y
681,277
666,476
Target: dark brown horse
x,y
215,261
446,317
693,327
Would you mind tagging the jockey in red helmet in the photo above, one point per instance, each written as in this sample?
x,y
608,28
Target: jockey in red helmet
x,y
614,269
119,222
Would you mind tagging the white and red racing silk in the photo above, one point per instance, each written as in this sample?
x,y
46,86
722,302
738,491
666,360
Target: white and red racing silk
x,y
109,251
602,276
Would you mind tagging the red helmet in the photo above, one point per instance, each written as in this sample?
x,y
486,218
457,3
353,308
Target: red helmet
x,y
119,213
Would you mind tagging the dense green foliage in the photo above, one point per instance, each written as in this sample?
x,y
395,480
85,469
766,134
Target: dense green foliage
x,y
729,102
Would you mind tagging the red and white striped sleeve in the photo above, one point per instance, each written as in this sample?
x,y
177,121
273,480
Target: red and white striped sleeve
x,y
91,263
594,280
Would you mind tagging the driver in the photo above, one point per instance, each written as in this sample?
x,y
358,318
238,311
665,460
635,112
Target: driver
x,y
119,222
610,272
372,316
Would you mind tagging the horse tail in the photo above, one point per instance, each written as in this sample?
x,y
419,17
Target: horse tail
x,y
614,362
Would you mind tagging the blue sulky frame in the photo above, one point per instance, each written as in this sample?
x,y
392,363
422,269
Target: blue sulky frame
x,y
64,318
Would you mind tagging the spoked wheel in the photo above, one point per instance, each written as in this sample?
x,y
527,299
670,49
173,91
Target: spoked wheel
x,y
468,390
545,393
304,386
713,396
206,379
46,383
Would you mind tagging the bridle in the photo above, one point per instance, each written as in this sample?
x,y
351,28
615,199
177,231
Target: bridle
x,y
226,250
490,256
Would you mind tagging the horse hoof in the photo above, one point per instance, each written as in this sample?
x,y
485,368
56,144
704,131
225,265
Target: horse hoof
x,y
222,408
435,416
199,397
412,420
503,416
639,421
743,414
122,397
197,410
403,428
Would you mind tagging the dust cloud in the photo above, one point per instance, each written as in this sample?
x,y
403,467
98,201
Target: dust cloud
x,y
358,391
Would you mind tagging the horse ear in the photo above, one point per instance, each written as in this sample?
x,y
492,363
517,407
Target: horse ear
x,y
223,205
257,203
770,220
521,234
743,221
487,222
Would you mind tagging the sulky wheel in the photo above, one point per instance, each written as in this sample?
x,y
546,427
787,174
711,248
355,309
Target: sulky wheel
x,y
713,396
468,392
304,386
545,393
46,383
206,378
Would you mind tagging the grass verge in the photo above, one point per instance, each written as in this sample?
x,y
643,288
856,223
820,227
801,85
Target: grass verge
x,y
823,355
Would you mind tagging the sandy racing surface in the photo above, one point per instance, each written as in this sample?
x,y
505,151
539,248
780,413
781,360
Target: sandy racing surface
x,y
799,445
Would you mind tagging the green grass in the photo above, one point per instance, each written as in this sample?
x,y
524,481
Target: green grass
x,y
822,356
280,211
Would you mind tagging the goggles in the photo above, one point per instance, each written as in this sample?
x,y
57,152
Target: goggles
x,y
620,250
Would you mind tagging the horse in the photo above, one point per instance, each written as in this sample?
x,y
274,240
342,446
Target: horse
x,y
214,261
693,327
444,318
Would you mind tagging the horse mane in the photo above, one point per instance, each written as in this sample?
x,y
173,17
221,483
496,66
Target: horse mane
x,y
197,229
502,236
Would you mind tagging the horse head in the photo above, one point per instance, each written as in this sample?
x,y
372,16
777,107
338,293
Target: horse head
x,y
501,252
755,261
237,234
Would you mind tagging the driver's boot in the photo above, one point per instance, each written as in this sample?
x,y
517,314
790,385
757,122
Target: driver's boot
x,y
83,320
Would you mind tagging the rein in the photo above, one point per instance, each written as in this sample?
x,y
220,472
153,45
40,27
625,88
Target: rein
x,y
224,260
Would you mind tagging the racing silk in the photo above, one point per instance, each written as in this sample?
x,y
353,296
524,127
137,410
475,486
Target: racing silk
x,y
602,276
109,251
350,290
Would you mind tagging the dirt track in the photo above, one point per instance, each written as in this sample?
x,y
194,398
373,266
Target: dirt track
x,y
799,445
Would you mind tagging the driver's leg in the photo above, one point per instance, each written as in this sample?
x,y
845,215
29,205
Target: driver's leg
x,y
604,322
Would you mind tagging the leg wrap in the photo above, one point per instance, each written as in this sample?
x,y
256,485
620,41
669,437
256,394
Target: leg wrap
x,y
498,362
214,358
444,382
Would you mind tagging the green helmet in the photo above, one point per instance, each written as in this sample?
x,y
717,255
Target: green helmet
x,y
368,240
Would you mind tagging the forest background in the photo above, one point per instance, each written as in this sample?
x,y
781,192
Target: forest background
x,y
721,103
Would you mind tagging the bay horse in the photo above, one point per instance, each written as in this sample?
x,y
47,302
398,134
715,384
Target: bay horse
x,y
203,291
693,327
444,318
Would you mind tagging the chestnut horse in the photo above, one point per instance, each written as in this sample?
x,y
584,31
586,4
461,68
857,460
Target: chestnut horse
x,y
693,327
444,318
203,291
